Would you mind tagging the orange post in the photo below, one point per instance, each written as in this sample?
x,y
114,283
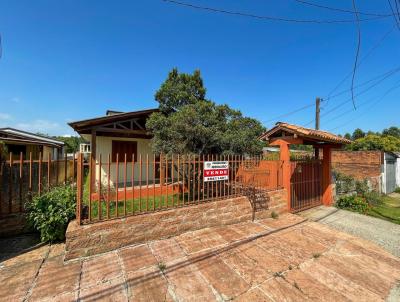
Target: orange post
x,y
326,176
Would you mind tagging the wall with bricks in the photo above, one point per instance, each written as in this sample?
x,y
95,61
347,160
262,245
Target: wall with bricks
x,y
91,239
358,164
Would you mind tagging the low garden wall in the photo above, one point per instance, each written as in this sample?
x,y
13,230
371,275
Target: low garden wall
x,y
91,239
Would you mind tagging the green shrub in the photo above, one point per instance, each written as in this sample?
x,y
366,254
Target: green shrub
x,y
344,183
373,198
353,203
50,212
397,190
362,187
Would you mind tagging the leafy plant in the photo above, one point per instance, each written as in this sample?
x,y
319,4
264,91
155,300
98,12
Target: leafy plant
x,y
373,198
397,190
50,212
361,187
353,203
274,215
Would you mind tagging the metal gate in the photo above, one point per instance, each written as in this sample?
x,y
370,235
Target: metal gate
x,y
390,180
305,184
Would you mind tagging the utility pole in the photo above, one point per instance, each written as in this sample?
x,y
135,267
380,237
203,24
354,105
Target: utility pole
x,y
317,111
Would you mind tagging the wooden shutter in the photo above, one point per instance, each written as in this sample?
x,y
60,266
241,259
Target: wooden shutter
x,y
122,147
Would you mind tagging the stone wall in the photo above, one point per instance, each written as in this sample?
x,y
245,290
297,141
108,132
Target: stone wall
x,y
13,224
91,239
358,164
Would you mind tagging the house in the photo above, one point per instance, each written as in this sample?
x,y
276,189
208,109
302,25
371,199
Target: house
x,y
30,144
114,135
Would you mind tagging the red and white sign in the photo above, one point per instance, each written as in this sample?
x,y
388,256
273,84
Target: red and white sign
x,y
216,170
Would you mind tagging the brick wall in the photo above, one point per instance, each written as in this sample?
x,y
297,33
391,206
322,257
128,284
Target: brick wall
x,y
13,224
91,239
358,164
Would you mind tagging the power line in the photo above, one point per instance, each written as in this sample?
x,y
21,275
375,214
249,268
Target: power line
x,y
341,10
360,85
357,53
351,110
269,18
394,15
394,71
369,108
289,113
370,51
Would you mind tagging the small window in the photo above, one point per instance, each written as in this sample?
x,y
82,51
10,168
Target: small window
x,y
123,147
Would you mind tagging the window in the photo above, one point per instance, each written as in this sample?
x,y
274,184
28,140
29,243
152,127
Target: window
x,y
122,147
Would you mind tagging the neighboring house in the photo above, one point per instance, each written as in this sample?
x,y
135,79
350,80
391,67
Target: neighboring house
x,y
118,133
381,169
17,141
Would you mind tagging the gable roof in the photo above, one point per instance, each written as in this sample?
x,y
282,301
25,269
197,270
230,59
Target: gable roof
x,y
11,135
115,116
305,133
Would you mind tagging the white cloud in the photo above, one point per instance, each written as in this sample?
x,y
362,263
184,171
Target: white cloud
x,y
5,117
42,126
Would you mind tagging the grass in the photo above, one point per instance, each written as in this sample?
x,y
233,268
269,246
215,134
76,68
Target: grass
x,y
388,210
136,205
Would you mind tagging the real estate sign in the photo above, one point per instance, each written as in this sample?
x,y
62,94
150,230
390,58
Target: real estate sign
x,y
216,170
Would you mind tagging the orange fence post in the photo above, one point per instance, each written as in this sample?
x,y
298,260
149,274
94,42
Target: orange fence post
x,y
79,188
326,176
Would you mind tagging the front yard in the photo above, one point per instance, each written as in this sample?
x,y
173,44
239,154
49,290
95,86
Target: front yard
x,y
389,209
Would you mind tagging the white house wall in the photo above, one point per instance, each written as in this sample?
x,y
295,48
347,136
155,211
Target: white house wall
x,y
104,147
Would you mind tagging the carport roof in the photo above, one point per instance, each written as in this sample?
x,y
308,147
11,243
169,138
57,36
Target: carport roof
x,y
309,135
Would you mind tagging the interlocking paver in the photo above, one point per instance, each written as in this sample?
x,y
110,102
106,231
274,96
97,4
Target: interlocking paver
x,y
147,285
167,250
56,278
225,280
100,269
254,295
137,257
110,290
250,261
178,273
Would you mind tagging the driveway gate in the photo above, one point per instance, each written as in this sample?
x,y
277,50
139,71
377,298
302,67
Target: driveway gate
x,y
305,184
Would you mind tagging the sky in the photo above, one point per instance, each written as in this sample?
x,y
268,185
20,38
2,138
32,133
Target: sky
x,y
64,61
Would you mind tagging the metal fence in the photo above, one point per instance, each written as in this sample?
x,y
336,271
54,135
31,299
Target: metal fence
x,y
129,184
22,177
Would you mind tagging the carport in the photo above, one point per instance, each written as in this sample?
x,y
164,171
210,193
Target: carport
x,y
308,180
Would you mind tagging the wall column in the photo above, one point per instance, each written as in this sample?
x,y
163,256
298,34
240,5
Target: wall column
x,y
285,161
93,158
327,176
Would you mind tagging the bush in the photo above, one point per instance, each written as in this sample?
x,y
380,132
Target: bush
x,y
353,203
373,198
50,212
397,190
362,187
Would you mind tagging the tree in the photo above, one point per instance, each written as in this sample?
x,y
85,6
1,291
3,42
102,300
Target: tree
x,y
347,135
71,143
358,133
376,142
180,89
188,123
393,131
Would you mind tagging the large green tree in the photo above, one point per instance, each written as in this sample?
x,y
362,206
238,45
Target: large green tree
x,y
376,142
180,89
189,123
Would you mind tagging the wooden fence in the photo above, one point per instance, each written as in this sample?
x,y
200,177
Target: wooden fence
x,y
124,185
23,178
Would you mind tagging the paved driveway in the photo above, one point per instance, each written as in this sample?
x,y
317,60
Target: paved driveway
x,y
286,259
382,232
